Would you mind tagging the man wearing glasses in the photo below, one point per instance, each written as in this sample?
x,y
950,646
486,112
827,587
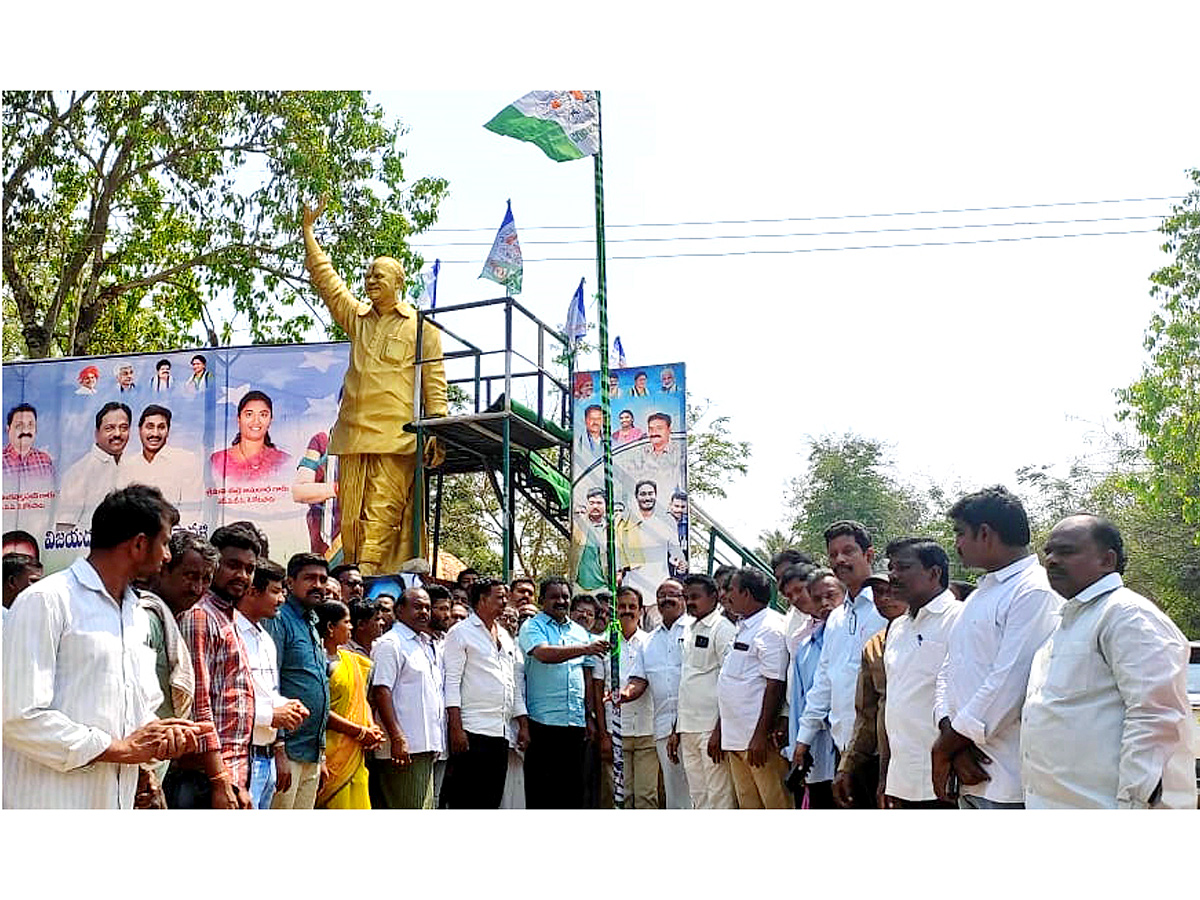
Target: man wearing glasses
x,y
847,631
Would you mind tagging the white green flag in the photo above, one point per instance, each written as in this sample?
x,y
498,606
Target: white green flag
x,y
565,124
503,263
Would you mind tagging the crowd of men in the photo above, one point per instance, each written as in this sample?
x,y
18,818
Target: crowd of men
x,y
167,670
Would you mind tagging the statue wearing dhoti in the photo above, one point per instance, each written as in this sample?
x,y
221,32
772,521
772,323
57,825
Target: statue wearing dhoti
x,y
376,456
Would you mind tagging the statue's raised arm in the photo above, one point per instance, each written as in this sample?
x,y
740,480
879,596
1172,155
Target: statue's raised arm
x,y
376,456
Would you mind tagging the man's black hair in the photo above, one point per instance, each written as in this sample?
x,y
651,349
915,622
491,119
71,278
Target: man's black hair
x,y
23,407
755,582
129,511
705,581
928,551
790,555
109,407
237,536
436,592
796,572
659,415
552,580
630,589
480,589
303,561
856,530
467,571
266,571
999,509
1108,537
154,410
580,599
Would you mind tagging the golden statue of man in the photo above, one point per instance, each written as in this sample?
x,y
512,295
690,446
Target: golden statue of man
x,y
376,456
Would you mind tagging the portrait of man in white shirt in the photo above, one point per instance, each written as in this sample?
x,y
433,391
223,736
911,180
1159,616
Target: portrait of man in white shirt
x,y
90,479
173,471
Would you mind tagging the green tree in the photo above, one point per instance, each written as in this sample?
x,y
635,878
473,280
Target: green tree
x,y
1164,403
713,457
852,477
127,213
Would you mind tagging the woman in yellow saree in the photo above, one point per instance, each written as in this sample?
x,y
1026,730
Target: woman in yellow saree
x,y
351,729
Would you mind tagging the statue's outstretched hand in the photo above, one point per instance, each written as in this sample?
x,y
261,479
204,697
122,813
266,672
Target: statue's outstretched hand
x,y
435,453
308,215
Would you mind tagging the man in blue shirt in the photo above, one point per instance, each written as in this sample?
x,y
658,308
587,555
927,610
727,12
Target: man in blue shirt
x,y
557,679
303,676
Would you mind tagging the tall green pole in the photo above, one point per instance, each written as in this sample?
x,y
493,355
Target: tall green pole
x,y
614,626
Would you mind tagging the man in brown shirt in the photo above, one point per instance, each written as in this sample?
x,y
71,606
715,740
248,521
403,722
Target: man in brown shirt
x,y
870,737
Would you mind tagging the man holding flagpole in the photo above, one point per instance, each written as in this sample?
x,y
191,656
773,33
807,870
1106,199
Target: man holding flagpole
x,y
566,125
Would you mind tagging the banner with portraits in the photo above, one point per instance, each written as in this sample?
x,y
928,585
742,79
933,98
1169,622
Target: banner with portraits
x,y
227,434
649,440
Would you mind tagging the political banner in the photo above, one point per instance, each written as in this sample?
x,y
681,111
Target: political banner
x,y
227,434
649,440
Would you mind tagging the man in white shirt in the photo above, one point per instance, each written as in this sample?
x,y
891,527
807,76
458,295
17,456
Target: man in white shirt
x,y
173,471
90,479
1107,723
647,542
919,573
272,710
830,703
662,659
707,639
636,708
981,685
485,691
80,690
406,690
749,695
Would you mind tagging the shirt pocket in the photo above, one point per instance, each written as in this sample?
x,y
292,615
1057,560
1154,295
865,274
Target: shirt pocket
x,y
397,349
1072,670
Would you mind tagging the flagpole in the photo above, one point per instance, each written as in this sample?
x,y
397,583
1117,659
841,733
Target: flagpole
x,y
614,626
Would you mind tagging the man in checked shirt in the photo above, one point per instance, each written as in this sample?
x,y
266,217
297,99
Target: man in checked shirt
x,y
224,680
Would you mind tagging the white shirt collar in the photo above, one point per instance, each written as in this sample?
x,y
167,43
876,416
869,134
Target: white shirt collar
x,y
711,618
90,579
1013,568
938,604
1109,582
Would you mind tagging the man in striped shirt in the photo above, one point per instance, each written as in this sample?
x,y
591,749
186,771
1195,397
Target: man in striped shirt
x,y
224,680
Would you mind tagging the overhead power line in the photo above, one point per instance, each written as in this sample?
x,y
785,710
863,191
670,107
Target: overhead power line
x,y
925,212
801,234
776,252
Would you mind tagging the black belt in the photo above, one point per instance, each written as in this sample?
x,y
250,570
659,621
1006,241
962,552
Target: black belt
x,y
263,751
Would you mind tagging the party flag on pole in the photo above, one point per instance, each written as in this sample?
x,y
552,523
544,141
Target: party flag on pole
x,y
576,327
503,263
565,124
620,352
429,285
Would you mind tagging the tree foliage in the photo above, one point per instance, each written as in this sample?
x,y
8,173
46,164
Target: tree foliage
x,y
1164,403
713,457
128,213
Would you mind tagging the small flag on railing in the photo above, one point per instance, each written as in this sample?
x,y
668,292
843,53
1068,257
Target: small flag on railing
x,y
620,352
503,263
576,327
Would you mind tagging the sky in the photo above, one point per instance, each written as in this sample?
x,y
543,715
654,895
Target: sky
x,y
967,361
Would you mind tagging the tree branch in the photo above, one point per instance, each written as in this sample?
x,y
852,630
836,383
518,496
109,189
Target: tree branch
x,y
36,151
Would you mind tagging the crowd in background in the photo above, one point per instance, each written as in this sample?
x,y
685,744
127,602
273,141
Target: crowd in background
x,y
166,670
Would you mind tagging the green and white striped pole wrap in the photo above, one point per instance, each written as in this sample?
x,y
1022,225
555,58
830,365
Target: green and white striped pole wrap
x,y
614,626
